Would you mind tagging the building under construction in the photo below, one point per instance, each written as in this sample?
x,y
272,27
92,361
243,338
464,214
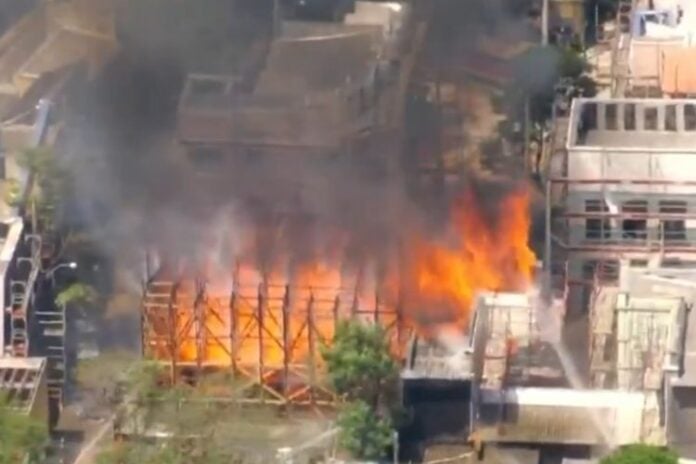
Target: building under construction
x,y
289,104
267,335
41,52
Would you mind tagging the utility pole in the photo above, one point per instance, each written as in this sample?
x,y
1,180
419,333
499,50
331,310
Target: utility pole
x,y
545,23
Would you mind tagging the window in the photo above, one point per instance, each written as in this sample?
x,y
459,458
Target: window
x,y
676,263
671,118
635,228
673,229
589,116
630,116
603,271
597,227
690,117
650,119
205,158
588,269
607,272
611,116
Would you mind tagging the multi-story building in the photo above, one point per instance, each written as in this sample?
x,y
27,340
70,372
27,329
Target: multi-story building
x,y
622,191
294,103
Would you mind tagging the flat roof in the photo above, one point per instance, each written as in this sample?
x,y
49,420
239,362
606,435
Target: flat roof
x,y
631,124
304,65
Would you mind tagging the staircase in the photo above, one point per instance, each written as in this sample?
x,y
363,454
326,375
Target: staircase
x,y
52,330
19,340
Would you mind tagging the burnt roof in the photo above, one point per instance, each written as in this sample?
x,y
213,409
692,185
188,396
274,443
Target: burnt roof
x,y
311,64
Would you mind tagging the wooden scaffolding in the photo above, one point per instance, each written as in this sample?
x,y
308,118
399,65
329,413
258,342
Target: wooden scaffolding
x,y
268,337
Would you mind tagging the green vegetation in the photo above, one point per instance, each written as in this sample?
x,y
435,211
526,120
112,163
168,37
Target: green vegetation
x,y
641,454
196,429
47,190
20,436
170,452
77,293
362,370
364,434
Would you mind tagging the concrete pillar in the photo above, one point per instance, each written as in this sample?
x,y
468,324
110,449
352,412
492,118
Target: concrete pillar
x,y
680,117
661,115
640,117
601,116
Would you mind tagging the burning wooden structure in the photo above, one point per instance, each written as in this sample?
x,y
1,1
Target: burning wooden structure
x,y
266,334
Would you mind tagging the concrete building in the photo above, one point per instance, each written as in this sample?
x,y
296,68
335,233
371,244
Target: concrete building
x,y
522,387
621,241
295,99
622,192
653,54
679,369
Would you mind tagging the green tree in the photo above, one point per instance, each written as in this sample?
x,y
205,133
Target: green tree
x,y
47,188
77,293
360,365
20,436
362,370
641,454
365,435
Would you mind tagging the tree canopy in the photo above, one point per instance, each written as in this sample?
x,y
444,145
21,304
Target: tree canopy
x,y
362,370
641,454
366,435
21,436
359,363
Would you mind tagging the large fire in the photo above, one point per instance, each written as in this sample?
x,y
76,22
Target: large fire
x,y
285,313
488,254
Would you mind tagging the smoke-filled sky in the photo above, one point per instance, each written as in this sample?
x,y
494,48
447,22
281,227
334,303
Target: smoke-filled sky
x,y
134,187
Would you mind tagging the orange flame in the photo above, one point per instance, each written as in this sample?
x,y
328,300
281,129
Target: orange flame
x,y
299,309
487,255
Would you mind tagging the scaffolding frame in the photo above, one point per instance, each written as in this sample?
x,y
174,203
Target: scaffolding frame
x,y
285,335
21,294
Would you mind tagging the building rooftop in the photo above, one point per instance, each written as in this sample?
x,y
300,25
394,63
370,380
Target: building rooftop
x,y
299,94
560,415
435,360
514,341
659,125
300,66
